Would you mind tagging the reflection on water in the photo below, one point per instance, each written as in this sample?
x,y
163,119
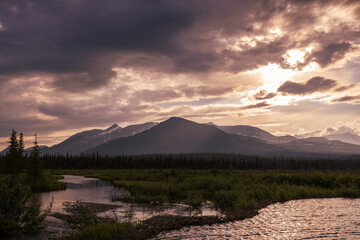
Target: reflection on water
x,y
82,189
299,219
144,211
93,190
332,218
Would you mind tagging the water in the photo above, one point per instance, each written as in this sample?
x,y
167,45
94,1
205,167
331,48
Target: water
x,y
332,218
93,190
98,193
90,190
83,189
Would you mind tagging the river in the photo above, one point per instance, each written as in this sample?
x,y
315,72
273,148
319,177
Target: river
x,y
331,218
98,193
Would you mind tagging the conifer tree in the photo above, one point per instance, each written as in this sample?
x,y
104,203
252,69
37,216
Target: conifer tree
x,y
13,156
22,161
35,168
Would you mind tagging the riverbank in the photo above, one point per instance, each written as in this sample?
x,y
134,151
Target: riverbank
x,y
155,225
238,194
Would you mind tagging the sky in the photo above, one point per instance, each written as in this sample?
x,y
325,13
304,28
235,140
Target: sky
x,y
286,66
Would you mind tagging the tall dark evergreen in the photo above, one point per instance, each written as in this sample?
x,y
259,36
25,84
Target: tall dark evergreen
x,y
14,155
22,161
35,166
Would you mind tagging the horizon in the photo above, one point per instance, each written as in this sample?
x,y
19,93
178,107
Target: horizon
x,y
333,132
287,67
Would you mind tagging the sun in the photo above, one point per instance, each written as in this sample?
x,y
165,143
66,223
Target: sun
x,y
295,56
273,76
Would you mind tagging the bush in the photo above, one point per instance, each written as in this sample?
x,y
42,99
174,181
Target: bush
x,y
81,215
46,184
9,228
225,200
102,231
194,202
87,226
16,207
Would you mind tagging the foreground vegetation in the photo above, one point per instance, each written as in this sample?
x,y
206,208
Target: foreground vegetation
x,y
229,190
20,178
86,225
236,193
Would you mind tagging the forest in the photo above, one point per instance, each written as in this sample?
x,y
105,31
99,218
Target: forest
x,y
197,161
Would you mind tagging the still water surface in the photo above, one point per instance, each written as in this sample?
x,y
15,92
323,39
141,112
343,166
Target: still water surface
x,y
332,218
83,189
93,190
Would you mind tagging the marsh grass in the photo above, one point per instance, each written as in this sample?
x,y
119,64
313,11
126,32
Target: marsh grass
x,y
102,231
228,190
48,183
86,225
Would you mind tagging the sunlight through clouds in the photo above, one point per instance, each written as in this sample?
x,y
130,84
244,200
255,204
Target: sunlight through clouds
x,y
224,62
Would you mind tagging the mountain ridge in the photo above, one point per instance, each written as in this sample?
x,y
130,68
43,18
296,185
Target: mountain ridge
x,y
177,135
81,142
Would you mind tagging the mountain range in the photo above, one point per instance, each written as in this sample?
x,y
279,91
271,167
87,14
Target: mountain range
x,y
86,140
344,137
178,135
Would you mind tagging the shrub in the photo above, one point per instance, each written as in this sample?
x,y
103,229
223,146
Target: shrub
x,y
81,215
102,231
9,228
225,200
16,206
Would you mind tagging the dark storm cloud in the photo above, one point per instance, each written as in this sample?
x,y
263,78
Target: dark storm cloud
x,y
346,99
315,84
263,95
330,53
79,42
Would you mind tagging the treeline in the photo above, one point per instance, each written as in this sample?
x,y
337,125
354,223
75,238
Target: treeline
x,y
20,177
15,160
196,161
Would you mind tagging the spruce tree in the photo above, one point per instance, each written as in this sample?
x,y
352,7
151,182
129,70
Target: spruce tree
x,y
35,168
22,161
13,156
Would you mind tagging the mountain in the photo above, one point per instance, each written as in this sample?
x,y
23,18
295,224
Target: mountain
x,y
244,130
249,131
27,150
345,137
177,135
3,152
83,141
321,145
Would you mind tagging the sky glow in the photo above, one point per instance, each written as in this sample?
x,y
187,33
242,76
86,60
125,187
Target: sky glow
x,y
289,67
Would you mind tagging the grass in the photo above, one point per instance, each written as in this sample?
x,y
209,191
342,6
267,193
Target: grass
x,y
229,190
87,226
102,231
237,193
48,183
